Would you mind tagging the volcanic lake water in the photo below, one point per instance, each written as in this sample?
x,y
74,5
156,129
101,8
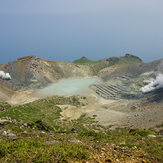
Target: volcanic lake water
x,y
68,87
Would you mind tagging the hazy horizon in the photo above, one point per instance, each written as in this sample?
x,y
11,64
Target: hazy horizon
x,y
64,30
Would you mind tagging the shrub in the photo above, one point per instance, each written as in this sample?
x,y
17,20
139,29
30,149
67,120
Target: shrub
x,y
143,132
95,135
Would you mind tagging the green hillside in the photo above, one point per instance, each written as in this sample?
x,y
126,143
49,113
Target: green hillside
x,y
127,59
84,61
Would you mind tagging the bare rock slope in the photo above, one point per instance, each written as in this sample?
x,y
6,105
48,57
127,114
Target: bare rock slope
x,y
34,73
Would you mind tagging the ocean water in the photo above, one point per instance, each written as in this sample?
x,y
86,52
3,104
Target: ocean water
x,y
68,87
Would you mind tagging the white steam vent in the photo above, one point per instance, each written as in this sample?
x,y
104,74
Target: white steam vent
x,y
154,84
5,76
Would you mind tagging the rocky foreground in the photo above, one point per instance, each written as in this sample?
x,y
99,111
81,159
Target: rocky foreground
x,y
36,142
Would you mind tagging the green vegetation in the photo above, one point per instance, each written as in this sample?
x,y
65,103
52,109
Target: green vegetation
x,y
127,59
33,146
43,137
96,66
36,150
44,109
142,132
5,105
84,61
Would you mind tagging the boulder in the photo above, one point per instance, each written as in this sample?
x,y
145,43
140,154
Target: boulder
x,y
151,136
12,136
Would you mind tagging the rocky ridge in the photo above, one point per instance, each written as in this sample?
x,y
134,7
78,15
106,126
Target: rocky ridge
x,y
32,72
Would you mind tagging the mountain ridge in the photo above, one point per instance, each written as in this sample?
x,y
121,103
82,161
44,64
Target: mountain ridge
x,y
85,61
32,73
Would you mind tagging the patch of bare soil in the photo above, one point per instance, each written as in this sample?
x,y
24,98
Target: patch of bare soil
x,y
3,97
94,108
118,113
22,97
130,113
70,112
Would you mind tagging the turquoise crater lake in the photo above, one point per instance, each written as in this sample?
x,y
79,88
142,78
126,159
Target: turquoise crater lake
x,y
68,87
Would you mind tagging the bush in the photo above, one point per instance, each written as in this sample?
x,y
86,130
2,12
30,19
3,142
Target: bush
x,y
95,135
143,132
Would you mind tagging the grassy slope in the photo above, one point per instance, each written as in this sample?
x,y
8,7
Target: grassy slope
x,y
127,60
31,145
84,61
96,66
118,144
44,109
120,60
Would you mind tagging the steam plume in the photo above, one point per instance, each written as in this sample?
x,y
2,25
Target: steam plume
x,y
155,84
2,74
5,76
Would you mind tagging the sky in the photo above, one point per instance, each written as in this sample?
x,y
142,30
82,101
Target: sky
x,y
66,30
